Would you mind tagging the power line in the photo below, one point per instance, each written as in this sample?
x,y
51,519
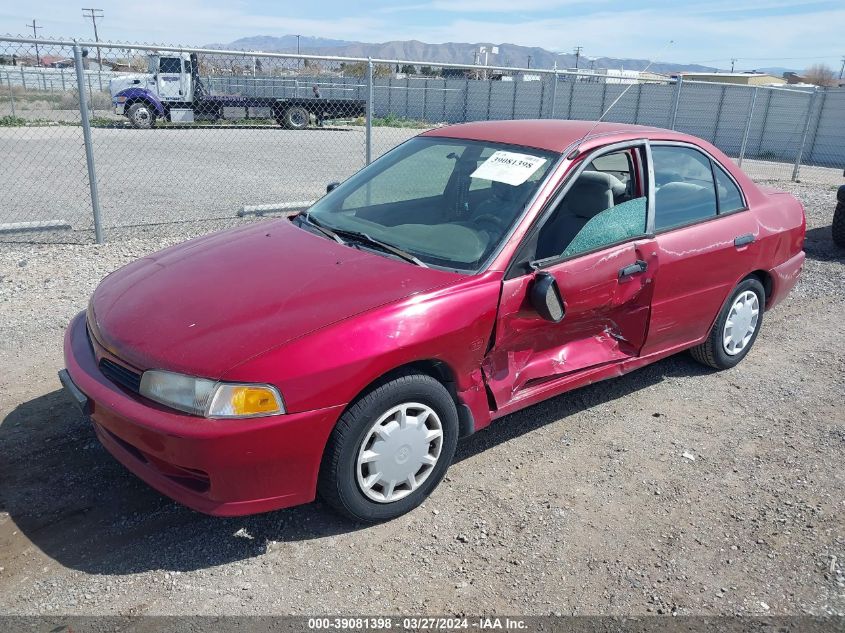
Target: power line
x,y
35,36
93,14
760,59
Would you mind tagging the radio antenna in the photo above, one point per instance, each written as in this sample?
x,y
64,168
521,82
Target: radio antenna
x,y
622,94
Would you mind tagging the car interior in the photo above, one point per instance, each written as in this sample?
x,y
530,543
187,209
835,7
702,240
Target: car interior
x,y
600,208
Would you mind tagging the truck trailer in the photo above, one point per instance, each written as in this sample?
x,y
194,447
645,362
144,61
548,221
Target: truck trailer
x,y
173,91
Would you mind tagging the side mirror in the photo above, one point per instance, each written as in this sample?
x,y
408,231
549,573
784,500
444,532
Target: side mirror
x,y
545,298
332,186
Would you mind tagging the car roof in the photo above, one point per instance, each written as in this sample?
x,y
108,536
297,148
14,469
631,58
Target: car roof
x,y
553,135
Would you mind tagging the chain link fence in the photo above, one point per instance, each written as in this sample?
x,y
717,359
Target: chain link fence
x,y
164,136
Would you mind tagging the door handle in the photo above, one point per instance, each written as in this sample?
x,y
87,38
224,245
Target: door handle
x,y
637,267
743,240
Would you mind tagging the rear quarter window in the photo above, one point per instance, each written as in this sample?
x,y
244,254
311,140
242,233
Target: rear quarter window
x,y
730,199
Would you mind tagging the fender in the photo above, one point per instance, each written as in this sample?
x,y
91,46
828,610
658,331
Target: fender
x,y
142,94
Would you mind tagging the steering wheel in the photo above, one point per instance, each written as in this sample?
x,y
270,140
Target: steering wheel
x,y
490,219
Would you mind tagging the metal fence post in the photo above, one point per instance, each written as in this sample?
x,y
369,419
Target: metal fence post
x,y
554,91
466,97
797,167
747,130
677,101
89,147
11,94
637,106
368,150
90,100
23,79
542,97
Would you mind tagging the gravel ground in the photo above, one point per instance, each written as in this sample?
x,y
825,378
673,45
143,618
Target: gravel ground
x,y
584,504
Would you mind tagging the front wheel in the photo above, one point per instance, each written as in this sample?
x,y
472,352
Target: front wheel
x,y
141,116
736,328
390,449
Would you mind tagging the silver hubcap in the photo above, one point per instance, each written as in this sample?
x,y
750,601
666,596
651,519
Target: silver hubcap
x,y
142,115
741,323
298,117
399,452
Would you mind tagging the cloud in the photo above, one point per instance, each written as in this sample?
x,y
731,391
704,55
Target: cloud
x,y
701,31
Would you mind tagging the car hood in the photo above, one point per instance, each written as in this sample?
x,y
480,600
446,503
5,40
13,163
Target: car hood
x,y
204,306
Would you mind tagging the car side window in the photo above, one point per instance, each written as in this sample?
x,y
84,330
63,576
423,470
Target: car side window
x,y
730,199
684,191
598,210
170,65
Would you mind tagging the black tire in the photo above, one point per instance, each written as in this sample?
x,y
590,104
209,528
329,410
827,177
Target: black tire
x,y
712,352
338,481
838,226
295,118
141,116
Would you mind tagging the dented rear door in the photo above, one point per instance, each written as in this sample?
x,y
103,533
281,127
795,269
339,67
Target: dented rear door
x,y
606,319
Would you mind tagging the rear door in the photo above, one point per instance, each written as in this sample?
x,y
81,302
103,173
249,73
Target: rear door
x,y
706,242
594,241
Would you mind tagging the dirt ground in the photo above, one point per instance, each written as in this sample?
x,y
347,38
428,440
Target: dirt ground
x,y
584,504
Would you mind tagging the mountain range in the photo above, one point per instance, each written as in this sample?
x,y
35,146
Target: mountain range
x,y
450,52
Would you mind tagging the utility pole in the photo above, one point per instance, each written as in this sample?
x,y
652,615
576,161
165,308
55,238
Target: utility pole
x,y
577,50
298,61
35,36
842,70
93,14
733,61
529,61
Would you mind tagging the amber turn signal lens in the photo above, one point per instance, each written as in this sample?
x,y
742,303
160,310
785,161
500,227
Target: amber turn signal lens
x,y
245,401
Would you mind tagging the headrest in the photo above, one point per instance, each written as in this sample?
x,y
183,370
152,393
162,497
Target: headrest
x,y
589,197
609,180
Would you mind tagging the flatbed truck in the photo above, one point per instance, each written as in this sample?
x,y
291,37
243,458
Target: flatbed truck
x,y
173,91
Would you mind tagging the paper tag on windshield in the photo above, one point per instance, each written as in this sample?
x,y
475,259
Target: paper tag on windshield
x,y
508,167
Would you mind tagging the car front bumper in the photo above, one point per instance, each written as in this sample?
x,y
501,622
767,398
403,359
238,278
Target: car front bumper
x,y
219,467
119,109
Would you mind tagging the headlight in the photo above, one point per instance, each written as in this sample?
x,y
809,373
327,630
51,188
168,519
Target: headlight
x,y
120,99
209,398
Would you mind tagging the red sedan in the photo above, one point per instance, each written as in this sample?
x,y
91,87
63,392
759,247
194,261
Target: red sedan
x,y
470,272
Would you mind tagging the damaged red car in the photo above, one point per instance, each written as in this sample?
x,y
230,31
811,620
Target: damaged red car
x,y
470,272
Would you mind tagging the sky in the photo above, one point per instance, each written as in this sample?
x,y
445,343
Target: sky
x,y
759,33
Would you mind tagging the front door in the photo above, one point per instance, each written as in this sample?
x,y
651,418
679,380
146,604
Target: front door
x,y
594,243
169,79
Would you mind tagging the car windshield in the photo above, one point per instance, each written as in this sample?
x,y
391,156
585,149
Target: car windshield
x,y
447,202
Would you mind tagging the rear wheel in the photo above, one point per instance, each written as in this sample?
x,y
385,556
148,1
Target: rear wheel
x,y
141,116
390,449
295,118
736,329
